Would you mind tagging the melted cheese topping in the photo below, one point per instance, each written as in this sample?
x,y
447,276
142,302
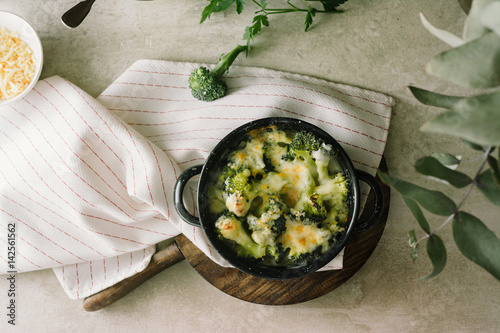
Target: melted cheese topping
x,y
301,238
238,204
252,157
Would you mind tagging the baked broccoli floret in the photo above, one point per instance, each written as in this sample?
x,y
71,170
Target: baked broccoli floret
x,y
239,181
312,207
302,145
269,221
230,227
238,191
269,225
207,85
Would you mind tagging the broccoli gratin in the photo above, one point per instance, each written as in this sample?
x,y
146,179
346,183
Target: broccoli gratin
x,y
281,197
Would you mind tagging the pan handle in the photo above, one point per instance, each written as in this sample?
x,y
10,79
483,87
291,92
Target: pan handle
x,y
378,204
161,260
181,182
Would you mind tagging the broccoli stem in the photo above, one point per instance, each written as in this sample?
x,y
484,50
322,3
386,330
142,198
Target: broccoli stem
x,y
227,61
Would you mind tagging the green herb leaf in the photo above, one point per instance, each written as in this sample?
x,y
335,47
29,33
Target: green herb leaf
x,y
431,167
239,6
256,27
311,12
475,119
469,65
263,4
437,254
487,185
331,5
433,201
222,5
477,242
450,161
418,214
433,99
208,10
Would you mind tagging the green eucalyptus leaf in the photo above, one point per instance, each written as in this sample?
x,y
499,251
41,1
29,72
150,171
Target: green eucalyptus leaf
x,y
433,99
472,145
414,254
476,119
474,27
469,65
414,245
449,160
437,254
498,160
494,165
443,35
413,238
477,242
433,201
496,66
418,214
431,167
490,17
487,185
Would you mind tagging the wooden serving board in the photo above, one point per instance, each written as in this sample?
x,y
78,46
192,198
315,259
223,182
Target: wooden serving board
x,y
279,292
250,288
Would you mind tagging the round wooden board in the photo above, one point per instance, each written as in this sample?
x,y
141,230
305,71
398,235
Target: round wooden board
x,y
280,292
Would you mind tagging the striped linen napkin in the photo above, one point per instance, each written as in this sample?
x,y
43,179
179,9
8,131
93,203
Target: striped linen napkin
x,y
88,184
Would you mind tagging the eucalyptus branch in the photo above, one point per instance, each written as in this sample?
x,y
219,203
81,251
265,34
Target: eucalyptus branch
x,y
464,199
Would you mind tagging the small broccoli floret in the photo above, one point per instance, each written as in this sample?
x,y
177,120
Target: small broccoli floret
x,y
302,145
229,227
271,222
312,207
239,182
238,191
207,85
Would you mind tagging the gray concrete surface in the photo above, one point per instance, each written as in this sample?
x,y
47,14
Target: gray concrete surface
x,y
375,44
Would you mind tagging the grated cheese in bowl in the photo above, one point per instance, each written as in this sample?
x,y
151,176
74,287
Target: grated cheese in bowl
x,y
17,64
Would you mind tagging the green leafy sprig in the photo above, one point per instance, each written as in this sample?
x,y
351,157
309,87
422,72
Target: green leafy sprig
x,y
473,62
261,15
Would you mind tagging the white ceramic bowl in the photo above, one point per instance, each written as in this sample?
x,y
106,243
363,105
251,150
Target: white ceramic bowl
x,y
26,32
